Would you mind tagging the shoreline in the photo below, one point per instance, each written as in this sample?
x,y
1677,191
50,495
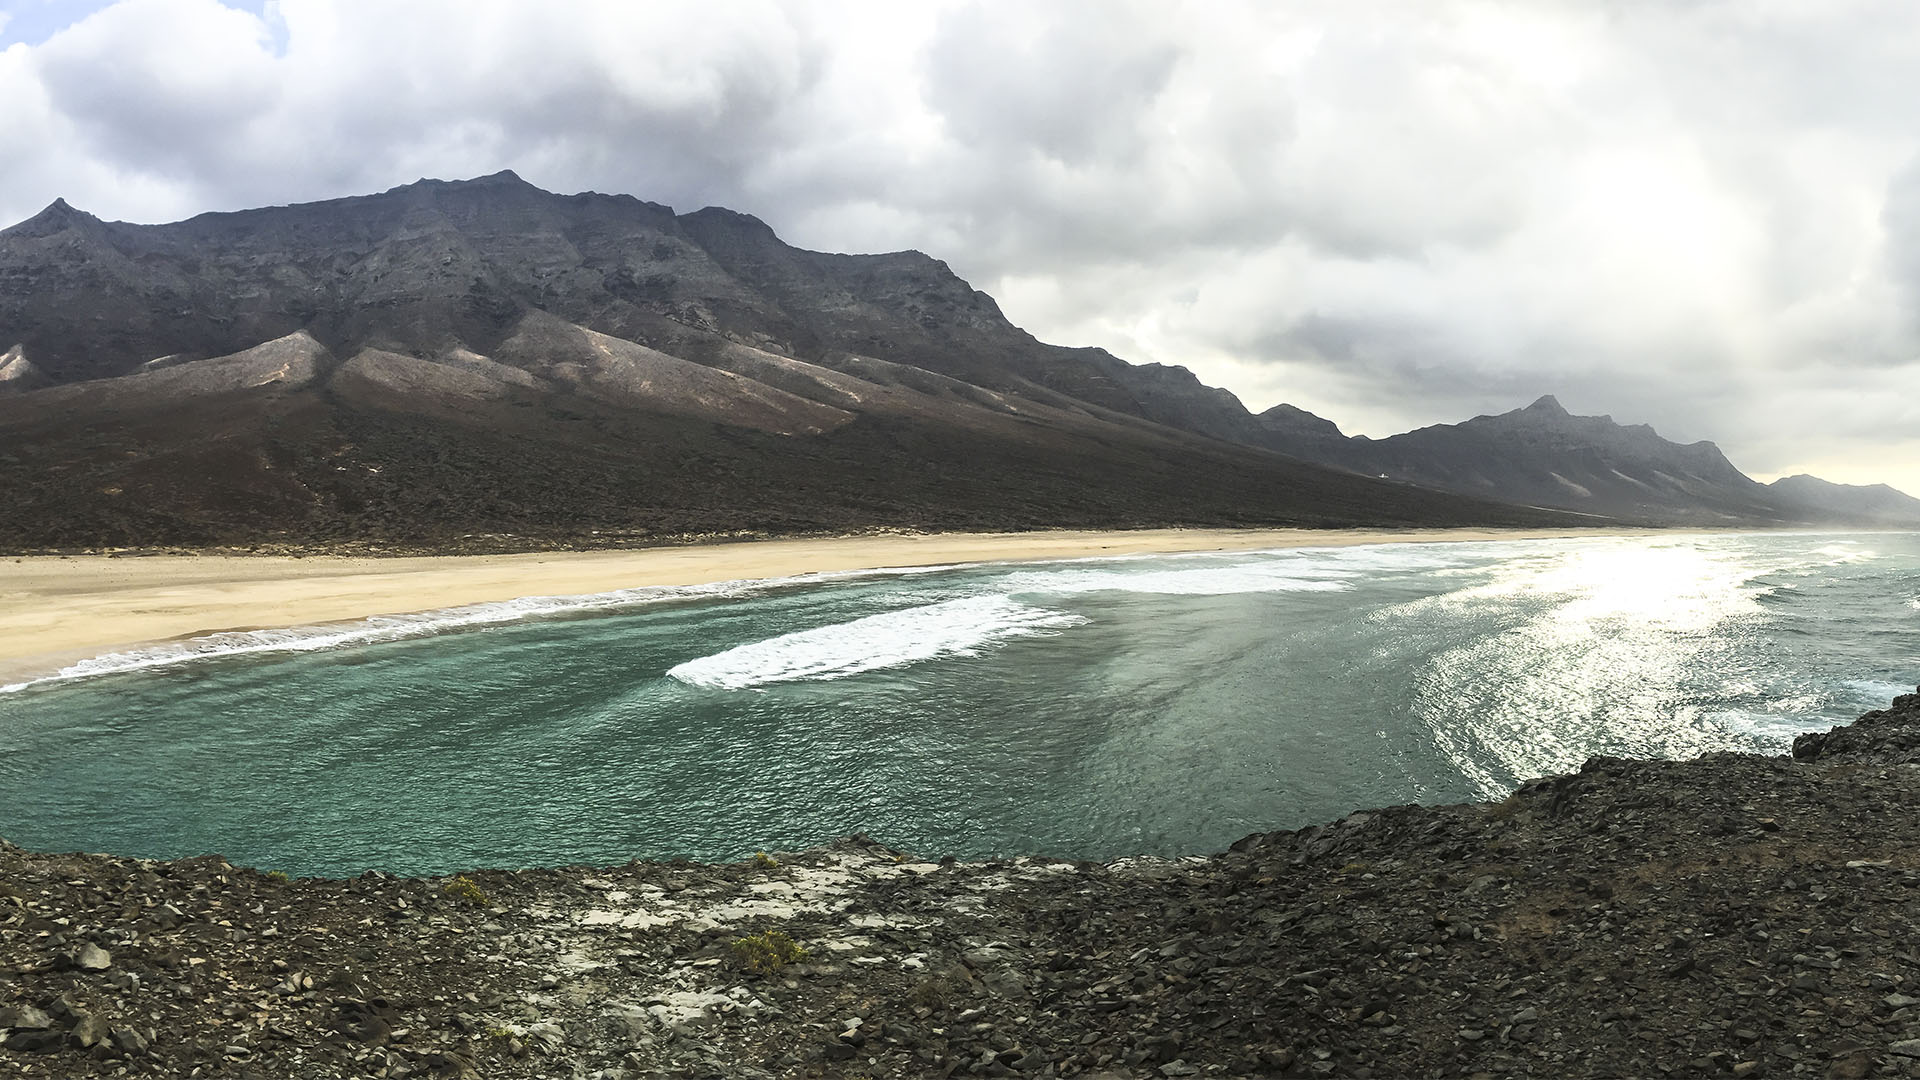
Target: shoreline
x,y
57,610
1737,914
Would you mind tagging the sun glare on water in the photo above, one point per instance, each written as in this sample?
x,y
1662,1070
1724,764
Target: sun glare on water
x,y
1604,650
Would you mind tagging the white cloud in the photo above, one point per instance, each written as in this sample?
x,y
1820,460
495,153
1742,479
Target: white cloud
x,y
1701,215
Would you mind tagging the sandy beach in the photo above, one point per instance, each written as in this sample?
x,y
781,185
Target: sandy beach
x,y
56,610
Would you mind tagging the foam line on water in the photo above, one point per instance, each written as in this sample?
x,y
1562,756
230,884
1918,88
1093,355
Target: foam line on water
x,y
396,627
1322,569
894,639
375,629
381,628
1253,577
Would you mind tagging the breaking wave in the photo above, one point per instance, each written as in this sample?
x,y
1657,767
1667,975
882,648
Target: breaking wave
x,y
1869,693
894,639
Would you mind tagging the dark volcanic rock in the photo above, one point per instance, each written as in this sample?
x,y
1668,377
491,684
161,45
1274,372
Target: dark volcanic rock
x,y
1890,735
1736,915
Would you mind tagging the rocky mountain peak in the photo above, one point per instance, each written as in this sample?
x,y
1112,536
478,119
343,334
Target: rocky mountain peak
x,y
1542,455
719,221
1874,505
1293,420
503,178
506,182
58,217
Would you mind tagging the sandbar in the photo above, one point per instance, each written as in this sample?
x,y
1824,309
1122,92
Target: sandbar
x,y
57,610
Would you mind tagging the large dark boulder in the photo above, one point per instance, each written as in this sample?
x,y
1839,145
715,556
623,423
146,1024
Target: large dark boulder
x,y
1887,736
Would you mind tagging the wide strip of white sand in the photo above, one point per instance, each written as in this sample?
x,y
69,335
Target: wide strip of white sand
x,y
56,610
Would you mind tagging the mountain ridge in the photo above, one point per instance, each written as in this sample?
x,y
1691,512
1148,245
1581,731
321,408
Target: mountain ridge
x,y
1542,454
485,363
620,335
690,271
1869,502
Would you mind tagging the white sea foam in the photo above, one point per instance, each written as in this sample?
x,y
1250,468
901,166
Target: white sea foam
x,y
1873,693
1770,729
1251,577
389,628
950,628
1400,557
1846,551
396,627
1323,569
425,624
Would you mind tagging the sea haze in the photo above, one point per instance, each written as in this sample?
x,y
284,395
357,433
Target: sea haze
x,y
1159,705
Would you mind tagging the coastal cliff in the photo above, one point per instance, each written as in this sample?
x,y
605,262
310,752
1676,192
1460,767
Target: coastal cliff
x,y
1736,915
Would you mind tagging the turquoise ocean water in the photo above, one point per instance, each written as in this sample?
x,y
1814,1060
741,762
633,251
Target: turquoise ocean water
x,y
1164,705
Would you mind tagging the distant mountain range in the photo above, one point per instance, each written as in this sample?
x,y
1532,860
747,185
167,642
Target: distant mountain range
x,y
483,363
1543,456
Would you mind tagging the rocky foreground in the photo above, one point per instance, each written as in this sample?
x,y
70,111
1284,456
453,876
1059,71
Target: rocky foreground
x,y
1735,915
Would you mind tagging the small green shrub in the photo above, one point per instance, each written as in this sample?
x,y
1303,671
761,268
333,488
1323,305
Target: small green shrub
x,y
764,861
278,877
766,952
1506,807
932,992
466,891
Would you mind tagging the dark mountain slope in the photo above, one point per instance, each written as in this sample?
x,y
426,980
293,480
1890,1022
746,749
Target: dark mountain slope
x,y
411,451
1299,433
1871,504
435,265
855,303
1543,456
486,363
711,316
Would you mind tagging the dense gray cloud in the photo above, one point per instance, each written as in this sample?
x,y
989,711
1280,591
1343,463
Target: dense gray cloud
x,y
1705,216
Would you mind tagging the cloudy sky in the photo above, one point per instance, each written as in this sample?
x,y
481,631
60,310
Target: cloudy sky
x,y
1697,214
